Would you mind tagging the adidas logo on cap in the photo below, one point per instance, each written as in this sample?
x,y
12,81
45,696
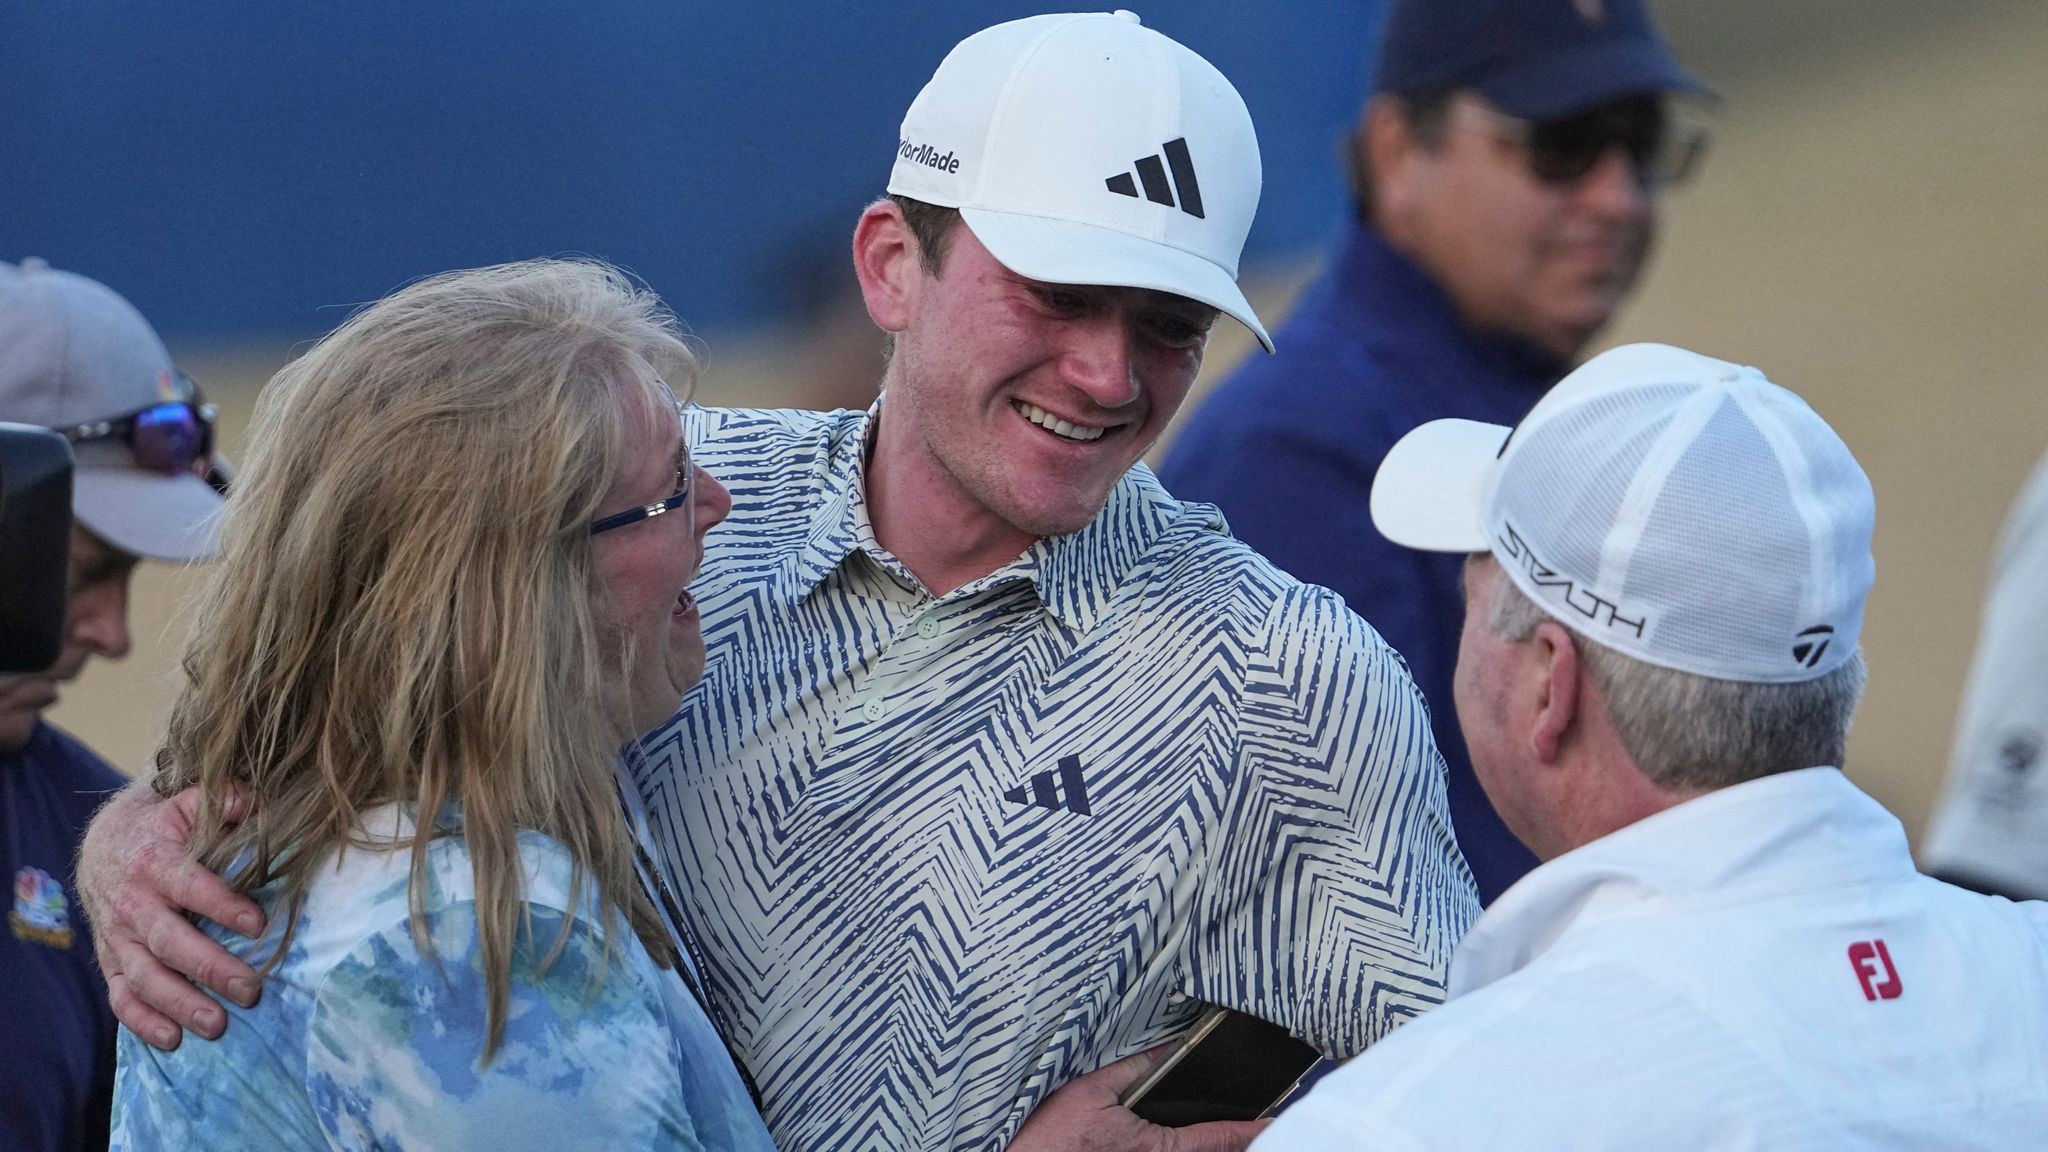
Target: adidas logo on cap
x,y
1153,175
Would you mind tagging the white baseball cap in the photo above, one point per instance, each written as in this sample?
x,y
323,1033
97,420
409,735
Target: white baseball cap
x,y
1085,148
1681,510
75,356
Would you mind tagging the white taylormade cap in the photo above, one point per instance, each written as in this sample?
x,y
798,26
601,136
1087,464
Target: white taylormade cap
x,y
1678,509
1084,148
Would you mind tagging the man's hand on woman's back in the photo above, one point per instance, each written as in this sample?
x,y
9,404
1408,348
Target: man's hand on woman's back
x,y
138,882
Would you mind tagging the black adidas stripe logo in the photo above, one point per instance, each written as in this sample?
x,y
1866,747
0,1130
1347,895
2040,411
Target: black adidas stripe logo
x,y
1152,173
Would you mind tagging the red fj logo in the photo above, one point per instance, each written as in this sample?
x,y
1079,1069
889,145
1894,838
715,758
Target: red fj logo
x,y
1872,959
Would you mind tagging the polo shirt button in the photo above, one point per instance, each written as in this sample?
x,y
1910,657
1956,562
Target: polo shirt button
x,y
928,628
873,710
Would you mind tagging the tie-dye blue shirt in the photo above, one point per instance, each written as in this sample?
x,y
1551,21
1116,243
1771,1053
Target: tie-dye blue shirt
x,y
361,1041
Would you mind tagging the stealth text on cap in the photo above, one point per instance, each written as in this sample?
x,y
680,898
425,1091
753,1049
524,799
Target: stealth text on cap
x,y
928,156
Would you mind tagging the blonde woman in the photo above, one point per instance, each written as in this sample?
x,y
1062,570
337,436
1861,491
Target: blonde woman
x,y
452,587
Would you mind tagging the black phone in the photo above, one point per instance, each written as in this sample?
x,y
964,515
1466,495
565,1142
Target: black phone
x,y
1229,1066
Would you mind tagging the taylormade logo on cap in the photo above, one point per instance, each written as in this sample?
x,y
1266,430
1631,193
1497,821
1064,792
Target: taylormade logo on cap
x,y
928,156
1679,509
1069,143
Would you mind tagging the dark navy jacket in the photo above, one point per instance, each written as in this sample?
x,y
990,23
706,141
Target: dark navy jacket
x,y
56,1031
1287,447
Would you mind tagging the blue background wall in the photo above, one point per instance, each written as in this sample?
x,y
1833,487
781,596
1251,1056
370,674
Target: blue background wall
x,y
242,168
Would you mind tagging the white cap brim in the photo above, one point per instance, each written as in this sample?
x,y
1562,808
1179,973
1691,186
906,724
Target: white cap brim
x,y
1073,252
155,516
1430,491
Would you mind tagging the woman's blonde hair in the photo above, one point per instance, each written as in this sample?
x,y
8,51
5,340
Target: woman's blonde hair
x,y
406,607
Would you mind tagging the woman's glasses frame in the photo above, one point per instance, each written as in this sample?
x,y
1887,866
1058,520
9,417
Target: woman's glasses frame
x,y
680,498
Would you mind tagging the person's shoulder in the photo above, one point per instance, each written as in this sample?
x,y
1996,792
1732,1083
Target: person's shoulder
x,y
586,1046
1319,376
715,432
2002,925
546,880
1195,554
1420,1079
1199,568
365,890
774,461
64,762
1325,399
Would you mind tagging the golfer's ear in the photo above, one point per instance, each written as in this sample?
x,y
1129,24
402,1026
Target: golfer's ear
x,y
1555,664
886,261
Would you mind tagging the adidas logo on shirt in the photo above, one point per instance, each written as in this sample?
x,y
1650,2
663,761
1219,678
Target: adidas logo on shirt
x,y
1046,789
1152,174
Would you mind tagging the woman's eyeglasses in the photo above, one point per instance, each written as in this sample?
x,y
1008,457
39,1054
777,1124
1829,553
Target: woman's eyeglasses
x,y
679,499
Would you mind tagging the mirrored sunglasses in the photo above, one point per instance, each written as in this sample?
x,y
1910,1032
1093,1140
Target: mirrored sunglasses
x,y
169,437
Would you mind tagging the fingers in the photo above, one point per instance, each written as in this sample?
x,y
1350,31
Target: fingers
x,y
186,885
156,1029
1116,1078
172,939
1221,1136
191,888
235,806
149,997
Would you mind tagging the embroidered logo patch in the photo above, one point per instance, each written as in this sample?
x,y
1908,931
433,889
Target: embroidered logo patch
x,y
41,913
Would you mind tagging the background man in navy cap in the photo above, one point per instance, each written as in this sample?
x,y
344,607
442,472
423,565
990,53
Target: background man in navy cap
x,y
77,358
1506,169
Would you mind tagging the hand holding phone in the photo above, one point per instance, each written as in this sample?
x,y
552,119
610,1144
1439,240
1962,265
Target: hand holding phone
x,y
1085,1115
1229,1066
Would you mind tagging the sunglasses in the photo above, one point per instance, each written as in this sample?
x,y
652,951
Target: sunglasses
x,y
168,437
1662,149
679,499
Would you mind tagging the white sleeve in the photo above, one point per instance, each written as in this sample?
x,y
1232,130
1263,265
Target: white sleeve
x,y
1991,827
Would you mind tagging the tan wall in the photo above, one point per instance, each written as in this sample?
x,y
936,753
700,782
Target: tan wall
x,y
1876,239
1869,229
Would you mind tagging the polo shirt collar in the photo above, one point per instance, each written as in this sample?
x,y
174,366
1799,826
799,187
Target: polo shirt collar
x,y
839,521
1794,830
1074,576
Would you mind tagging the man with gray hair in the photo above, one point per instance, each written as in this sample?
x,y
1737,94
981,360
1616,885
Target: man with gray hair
x,y
1727,944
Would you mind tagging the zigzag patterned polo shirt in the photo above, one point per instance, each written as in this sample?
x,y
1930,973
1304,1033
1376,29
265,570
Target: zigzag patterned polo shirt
x,y
943,854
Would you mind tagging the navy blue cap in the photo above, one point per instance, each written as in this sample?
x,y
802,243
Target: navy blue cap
x,y
1538,59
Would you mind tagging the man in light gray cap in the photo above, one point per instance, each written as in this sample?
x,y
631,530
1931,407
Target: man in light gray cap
x,y
1726,945
77,358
